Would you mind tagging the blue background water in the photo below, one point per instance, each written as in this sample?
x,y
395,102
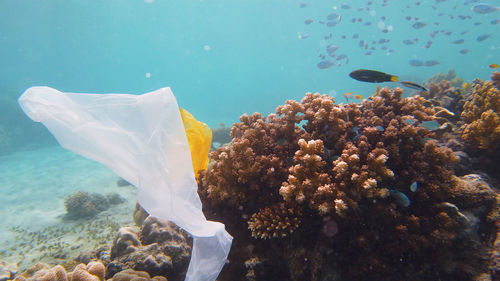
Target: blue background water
x,y
223,58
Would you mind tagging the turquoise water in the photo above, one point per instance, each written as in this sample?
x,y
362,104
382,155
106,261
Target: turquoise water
x,y
255,60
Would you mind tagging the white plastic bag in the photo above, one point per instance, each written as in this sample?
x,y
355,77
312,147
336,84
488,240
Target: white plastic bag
x,y
142,139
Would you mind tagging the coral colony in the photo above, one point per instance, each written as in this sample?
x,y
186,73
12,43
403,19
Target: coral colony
x,y
367,190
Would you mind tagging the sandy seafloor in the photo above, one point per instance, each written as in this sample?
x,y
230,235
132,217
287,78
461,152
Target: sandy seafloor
x,y
34,185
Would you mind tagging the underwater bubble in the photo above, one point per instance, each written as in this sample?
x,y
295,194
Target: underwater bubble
x,y
206,48
381,25
373,13
148,75
389,28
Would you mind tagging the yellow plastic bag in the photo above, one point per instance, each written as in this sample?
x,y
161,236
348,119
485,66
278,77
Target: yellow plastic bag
x,y
199,137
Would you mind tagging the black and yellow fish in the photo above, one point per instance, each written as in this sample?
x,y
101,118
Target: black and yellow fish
x,y
372,76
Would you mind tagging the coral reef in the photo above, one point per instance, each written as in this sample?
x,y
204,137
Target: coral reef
x,y
130,275
158,248
86,205
318,178
495,79
481,118
272,222
450,76
450,97
139,215
93,271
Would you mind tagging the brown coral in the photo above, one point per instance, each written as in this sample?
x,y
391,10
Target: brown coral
x,y
481,117
159,248
495,79
341,162
274,222
307,178
131,275
93,271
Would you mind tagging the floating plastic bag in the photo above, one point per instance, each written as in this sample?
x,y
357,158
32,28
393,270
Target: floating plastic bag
x,y
142,139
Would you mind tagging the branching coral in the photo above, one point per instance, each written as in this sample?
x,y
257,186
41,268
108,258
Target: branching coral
x,y
481,116
450,76
495,79
314,159
274,222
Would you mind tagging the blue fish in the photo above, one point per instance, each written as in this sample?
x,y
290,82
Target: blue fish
x,y
409,121
431,63
331,48
379,128
484,8
419,25
416,62
482,37
413,186
400,198
430,125
324,64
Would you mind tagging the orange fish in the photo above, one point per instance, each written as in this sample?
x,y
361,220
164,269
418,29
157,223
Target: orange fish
x,y
350,95
494,65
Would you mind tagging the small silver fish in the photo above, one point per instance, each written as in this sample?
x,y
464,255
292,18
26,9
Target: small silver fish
x,y
419,25
324,64
482,37
416,62
484,8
